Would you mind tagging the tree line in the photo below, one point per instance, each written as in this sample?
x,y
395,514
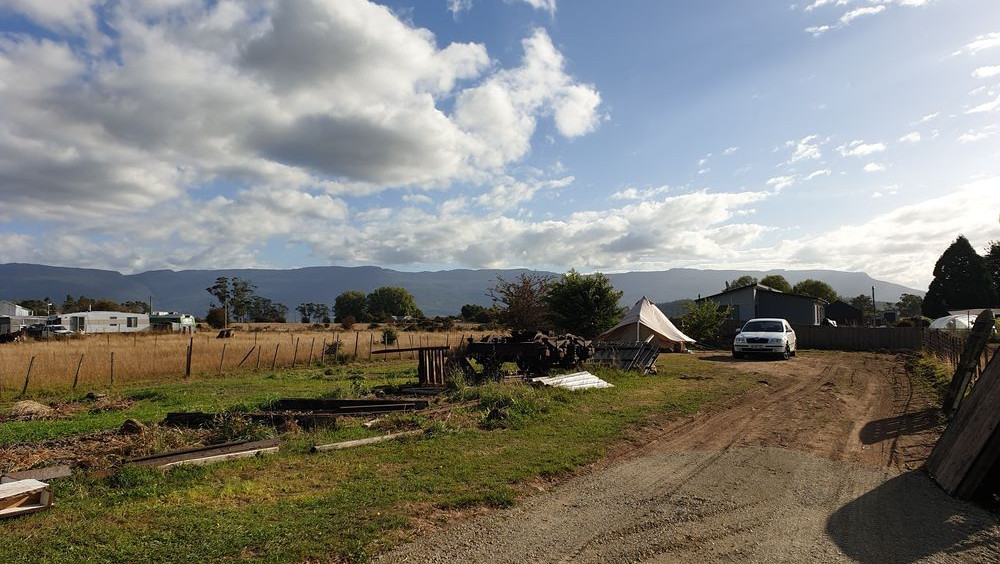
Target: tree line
x,y
82,303
909,305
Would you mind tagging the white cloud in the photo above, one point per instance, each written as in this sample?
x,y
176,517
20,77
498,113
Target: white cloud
x,y
974,135
858,148
986,72
902,245
302,94
929,117
807,148
874,167
985,107
818,30
859,12
781,182
818,173
730,151
458,6
911,137
637,194
983,42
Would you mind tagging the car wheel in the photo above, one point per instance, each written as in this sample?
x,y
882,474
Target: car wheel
x,y
787,354
794,351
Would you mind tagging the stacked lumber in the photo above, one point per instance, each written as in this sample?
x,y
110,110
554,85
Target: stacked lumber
x,y
968,453
24,496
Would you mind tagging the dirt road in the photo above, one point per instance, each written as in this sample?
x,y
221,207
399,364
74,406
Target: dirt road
x,y
816,465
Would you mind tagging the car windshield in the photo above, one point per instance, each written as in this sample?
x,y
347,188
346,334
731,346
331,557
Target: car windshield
x,y
764,327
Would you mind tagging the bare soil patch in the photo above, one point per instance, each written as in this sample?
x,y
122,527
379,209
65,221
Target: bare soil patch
x,y
815,465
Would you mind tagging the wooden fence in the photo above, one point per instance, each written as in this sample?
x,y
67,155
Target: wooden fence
x,y
860,338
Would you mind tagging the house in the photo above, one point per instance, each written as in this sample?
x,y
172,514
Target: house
x,y
758,300
845,314
14,318
102,321
172,321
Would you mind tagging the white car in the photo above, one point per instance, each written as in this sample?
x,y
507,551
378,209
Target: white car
x,y
766,335
55,331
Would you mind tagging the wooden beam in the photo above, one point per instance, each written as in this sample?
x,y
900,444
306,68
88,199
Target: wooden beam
x,y
410,349
362,442
47,473
210,453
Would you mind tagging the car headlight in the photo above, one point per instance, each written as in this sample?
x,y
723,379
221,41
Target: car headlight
x,y
741,340
774,341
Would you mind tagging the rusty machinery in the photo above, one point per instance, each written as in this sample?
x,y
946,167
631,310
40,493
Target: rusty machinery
x,y
532,352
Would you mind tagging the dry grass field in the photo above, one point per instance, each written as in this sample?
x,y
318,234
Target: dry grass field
x,y
101,361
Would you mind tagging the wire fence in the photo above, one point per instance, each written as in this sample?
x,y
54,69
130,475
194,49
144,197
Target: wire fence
x,y
108,360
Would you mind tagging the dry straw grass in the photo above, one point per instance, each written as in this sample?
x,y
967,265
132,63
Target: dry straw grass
x,y
142,357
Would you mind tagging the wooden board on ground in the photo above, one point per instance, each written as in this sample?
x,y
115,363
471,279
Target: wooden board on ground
x,y
24,496
209,454
47,473
362,442
969,449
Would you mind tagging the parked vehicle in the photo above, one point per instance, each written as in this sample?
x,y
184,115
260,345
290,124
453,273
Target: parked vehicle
x,y
765,335
55,331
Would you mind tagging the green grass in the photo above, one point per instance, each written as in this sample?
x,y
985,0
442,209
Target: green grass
x,y
151,403
930,372
346,505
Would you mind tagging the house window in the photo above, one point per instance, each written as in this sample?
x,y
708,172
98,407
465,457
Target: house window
x,y
133,321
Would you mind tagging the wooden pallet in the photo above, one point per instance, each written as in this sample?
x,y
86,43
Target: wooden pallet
x,y
24,496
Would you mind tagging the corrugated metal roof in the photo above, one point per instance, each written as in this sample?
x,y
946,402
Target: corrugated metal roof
x,y
575,381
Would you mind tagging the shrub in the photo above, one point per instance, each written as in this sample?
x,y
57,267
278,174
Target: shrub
x,y
389,336
348,322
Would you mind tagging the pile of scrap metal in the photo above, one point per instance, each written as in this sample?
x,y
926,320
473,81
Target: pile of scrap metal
x,y
532,352
627,355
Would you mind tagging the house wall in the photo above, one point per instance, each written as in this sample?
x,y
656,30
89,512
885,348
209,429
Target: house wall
x,y
104,321
742,302
15,323
795,309
844,314
10,309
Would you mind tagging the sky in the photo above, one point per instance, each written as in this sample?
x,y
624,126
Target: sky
x,y
611,136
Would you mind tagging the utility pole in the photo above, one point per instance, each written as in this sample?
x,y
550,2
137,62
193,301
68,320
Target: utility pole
x,y
874,307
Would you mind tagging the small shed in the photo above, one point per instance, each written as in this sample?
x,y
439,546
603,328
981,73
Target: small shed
x,y
845,314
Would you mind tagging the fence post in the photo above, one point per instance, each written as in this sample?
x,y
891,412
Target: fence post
x,y
357,337
256,368
76,377
112,369
371,344
187,369
31,363
311,344
295,353
275,359
222,357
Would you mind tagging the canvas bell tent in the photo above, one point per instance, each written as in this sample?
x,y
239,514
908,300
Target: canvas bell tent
x,y
645,320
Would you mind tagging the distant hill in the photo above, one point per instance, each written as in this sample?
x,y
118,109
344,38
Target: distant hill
x,y
436,293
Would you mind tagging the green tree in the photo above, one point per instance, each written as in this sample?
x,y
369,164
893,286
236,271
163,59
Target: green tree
x,y
583,305
520,303
777,282
862,302
40,307
703,319
960,281
222,291
350,304
241,294
477,313
816,289
909,305
263,310
745,280
388,301
216,317
136,306
992,262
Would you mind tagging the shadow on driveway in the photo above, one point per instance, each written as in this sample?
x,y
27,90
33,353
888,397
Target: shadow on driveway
x,y
909,518
899,425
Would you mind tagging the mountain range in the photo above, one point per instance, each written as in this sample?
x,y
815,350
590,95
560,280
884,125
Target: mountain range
x,y
436,293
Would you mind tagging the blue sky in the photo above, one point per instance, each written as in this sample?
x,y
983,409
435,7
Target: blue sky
x,y
855,135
